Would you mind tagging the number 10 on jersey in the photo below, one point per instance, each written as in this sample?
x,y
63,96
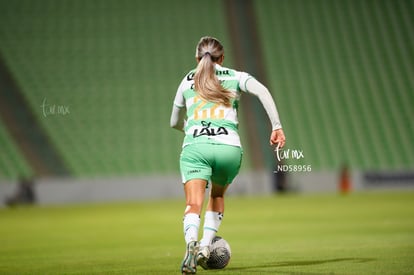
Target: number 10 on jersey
x,y
214,112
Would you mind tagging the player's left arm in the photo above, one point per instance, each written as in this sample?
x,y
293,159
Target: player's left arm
x,y
258,89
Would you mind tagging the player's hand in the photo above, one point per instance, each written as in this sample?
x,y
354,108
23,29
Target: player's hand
x,y
278,138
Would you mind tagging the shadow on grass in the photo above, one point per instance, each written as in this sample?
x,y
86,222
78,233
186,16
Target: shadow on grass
x,y
303,263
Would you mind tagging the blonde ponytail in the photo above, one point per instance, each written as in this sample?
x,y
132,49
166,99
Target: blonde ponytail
x,y
206,83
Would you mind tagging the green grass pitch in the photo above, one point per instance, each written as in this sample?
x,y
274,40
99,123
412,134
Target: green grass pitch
x,y
362,233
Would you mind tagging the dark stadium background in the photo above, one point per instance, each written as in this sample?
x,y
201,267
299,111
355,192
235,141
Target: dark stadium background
x,y
86,89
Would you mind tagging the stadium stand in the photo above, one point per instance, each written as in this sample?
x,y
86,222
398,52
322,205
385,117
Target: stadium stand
x,y
11,161
341,72
114,66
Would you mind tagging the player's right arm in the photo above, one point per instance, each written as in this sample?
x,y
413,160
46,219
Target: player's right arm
x,y
178,114
177,120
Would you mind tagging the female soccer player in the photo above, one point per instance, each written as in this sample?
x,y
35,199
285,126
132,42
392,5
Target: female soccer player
x,y
205,109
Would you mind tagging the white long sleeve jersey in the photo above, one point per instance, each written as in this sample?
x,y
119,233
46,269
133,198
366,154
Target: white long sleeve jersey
x,y
208,122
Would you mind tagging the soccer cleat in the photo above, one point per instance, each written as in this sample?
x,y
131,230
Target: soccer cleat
x,y
203,256
189,264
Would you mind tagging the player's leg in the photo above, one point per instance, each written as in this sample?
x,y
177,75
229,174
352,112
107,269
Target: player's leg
x,y
195,171
216,198
214,213
227,166
194,192
212,222
194,198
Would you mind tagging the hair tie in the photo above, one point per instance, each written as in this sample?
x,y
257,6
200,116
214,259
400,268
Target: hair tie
x,y
207,53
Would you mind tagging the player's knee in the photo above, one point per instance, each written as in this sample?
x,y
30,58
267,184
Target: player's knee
x,y
193,208
217,196
218,191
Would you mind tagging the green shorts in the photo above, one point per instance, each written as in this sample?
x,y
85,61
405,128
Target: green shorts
x,y
218,163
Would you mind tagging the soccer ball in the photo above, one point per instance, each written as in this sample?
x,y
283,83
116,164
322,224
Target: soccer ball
x,y
220,253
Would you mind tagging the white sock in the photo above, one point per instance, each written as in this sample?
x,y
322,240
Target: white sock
x,y
191,224
212,221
